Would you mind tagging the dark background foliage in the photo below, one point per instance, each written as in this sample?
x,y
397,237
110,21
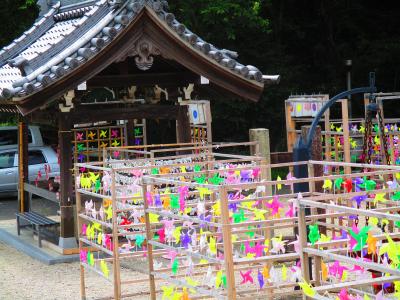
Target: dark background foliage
x,y
305,41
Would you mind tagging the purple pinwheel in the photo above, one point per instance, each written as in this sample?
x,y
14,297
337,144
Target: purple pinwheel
x,y
357,182
245,175
233,207
81,158
204,219
157,200
359,199
260,278
185,240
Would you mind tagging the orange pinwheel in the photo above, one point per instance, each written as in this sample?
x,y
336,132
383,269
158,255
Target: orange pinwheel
x,y
371,242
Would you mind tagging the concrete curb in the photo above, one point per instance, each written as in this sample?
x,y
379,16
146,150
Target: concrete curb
x,y
35,252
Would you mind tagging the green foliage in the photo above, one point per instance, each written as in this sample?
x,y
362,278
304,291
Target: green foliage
x,y
16,16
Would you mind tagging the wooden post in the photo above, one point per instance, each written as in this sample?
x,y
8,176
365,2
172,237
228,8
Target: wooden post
x,y
183,125
316,152
78,225
207,109
116,264
129,132
327,136
65,136
303,243
228,253
23,171
261,135
346,134
290,127
149,237
382,134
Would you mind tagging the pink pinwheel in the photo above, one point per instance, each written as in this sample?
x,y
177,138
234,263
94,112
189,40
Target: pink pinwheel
x,y
343,295
357,269
137,173
161,235
275,205
256,172
79,136
246,277
290,212
289,176
149,199
83,256
296,244
84,227
114,133
232,179
337,270
171,256
88,206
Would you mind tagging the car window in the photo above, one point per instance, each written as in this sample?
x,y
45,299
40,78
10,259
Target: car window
x,y
36,158
7,160
10,137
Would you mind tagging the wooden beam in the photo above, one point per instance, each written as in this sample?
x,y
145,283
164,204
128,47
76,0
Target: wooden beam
x,y
353,261
141,111
23,171
183,125
65,136
41,192
147,79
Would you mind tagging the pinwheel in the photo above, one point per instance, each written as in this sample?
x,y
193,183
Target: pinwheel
x,y
337,270
260,279
360,237
274,205
313,234
246,277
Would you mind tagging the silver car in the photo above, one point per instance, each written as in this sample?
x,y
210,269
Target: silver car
x,y
43,165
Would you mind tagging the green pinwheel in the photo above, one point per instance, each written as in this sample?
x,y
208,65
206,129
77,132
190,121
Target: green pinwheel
x,y
175,266
239,217
368,184
313,235
201,179
396,196
360,237
338,183
174,202
216,179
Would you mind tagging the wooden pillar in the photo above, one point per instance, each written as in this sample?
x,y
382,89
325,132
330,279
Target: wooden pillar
x,y
290,127
130,129
382,134
228,251
183,125
304,259
316,152
327,125
149,237
65,136
261,135
346,134
23,171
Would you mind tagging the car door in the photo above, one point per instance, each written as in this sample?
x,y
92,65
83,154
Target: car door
x,y
36,162
8,171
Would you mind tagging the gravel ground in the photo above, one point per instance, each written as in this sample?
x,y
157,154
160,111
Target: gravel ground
x,y
25,278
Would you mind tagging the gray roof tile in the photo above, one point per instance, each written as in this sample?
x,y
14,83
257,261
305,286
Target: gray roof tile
x,y
61,39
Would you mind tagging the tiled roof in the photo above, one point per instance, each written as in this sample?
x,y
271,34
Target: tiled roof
x,y
66,37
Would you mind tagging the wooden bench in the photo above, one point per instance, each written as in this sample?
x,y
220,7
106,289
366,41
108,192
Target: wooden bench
x,y
38,222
